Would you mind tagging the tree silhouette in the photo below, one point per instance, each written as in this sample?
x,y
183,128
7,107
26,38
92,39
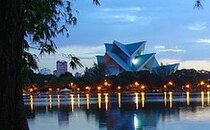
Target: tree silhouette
x,y
26,24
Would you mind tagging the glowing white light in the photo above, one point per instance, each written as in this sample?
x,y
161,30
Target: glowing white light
x,y
135,61
136,122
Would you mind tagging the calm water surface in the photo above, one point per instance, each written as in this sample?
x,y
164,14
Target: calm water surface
x,y
135,111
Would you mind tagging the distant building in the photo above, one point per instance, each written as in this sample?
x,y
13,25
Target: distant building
x,y
55,72
61,68
130,57
45,71
78,74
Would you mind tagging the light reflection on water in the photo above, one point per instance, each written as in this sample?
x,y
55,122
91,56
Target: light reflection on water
x,y
208,100
50,101
106,100
119,100
88,101
165,99
59,102
171,99
72,102
135,111
202,99
188,98
137,100
32,103
99,100
78,100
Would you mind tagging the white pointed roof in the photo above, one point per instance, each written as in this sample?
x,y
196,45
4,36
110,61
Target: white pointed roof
x,y
122,55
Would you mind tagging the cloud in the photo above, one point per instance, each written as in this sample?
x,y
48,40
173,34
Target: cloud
x,y
161,48
166,61
82,51
136,9
172,50
188,64
196,64
204,41
125,18
128,18
198,26
122,15
158,47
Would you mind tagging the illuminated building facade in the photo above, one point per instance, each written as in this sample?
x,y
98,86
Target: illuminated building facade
x,y
130,57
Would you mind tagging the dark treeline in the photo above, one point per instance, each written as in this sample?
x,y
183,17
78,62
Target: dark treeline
x,y
95,77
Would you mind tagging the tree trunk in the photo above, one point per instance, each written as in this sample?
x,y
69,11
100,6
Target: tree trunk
x,y
12,115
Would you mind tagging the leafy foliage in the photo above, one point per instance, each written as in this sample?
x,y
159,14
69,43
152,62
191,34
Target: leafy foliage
x,y
73,61
96,74
198,4
43,21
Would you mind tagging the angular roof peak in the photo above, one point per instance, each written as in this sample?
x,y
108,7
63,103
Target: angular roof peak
x,y
133,47
108,46
122,47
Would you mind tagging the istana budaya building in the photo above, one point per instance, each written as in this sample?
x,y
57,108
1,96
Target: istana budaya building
x,y
130,57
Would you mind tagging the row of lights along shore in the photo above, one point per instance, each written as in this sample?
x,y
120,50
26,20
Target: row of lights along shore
x,y
106,87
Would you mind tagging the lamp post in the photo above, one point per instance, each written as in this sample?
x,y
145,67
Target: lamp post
x,y
88,88
136,85
31,90
50,90
201,85
142,88
165,87
187,87
99,88
107,85
170,83
78,89
118,88
207,86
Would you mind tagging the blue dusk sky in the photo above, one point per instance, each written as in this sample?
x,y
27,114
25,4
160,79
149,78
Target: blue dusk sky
x,y
173,29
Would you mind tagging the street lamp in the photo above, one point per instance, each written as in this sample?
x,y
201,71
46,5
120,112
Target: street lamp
x,y
88,88
202,83
50,89
99,88
187,86
165,87
71,84
170,83
31,90
136,84
142,87
105,83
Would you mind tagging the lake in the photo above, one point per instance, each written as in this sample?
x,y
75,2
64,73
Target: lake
x,y
117,111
